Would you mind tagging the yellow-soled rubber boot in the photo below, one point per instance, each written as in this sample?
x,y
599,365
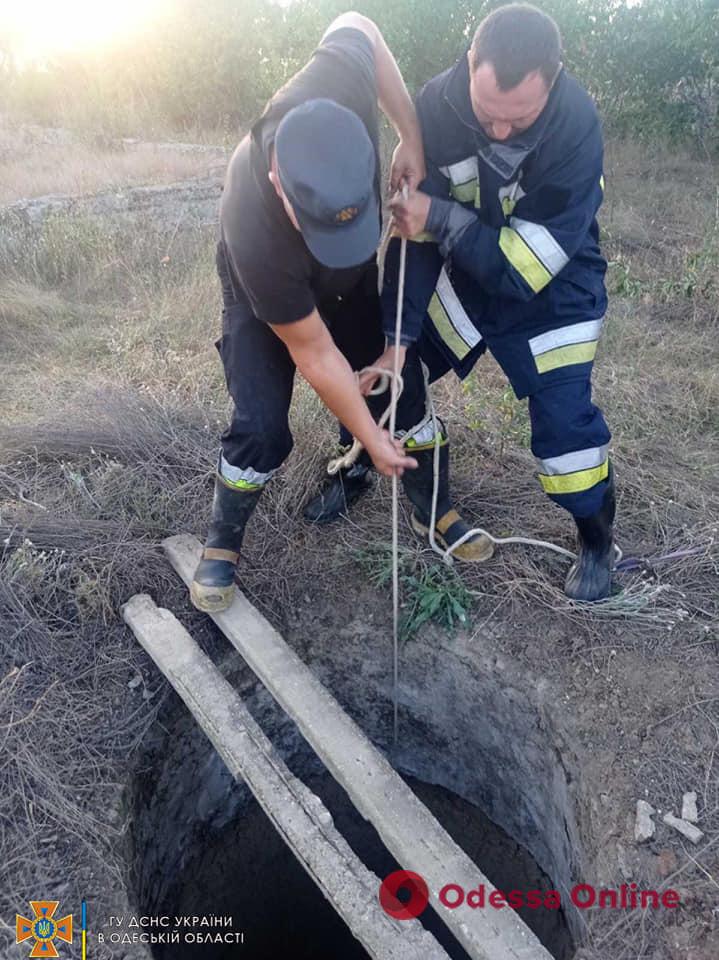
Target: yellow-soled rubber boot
x,y
213,586
448,530
449,525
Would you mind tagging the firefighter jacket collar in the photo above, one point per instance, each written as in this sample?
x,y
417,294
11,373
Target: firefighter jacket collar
x,y
504,157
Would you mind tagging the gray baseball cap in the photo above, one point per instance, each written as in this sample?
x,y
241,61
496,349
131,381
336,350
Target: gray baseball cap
x,y
327,164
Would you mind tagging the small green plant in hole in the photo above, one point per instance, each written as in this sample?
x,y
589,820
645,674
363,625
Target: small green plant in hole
x,y
434,593
430,591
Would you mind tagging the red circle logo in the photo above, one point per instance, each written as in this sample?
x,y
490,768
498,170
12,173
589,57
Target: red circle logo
x,y
410,883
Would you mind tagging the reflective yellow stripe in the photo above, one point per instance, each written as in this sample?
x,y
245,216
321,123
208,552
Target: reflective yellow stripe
x,y
565,356
465,192
574,482
423,237
529,267
217,553
509,197
542,244
440,319
240,484
429,445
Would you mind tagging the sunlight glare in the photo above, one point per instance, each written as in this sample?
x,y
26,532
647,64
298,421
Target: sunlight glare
x,y
38,28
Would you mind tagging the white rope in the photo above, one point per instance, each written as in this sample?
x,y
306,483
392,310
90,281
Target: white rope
x,y
396,390
447,554
394,378
350,457
385,378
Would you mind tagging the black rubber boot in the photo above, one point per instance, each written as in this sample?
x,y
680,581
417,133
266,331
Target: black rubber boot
x,y
338,492
590,577
212,588
449,526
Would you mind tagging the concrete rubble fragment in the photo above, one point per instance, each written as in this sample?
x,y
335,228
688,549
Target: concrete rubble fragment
x,y
643,824
687,829
689,807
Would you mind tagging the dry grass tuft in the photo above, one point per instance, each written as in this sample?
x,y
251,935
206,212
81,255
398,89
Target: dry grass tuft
x,y
36,163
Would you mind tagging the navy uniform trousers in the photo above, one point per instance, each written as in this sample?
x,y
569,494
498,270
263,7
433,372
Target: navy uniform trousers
x,y
548,357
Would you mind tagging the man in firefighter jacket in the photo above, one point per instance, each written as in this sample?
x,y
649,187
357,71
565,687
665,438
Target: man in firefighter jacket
x,y
505,257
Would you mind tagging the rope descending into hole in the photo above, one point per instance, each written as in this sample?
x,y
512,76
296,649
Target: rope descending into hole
x,y
393,378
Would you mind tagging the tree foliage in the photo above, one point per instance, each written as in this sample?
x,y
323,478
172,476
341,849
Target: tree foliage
x,y
653,66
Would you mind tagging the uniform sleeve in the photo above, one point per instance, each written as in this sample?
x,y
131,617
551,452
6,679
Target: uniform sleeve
x,y
547,226
422,269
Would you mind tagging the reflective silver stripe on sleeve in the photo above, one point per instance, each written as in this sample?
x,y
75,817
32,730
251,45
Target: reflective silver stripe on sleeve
x,y
456,312
462,172
572,462
583,332
542,244
420,434
246,474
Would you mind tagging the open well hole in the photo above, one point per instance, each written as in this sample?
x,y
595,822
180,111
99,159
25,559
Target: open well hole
x,y
474,746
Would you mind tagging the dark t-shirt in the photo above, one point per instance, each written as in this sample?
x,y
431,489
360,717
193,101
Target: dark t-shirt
x,y
282,280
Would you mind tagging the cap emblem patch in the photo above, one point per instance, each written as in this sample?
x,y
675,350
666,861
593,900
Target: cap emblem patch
x,y
346,214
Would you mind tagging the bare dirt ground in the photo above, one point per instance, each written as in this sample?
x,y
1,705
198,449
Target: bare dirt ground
x,y
112,397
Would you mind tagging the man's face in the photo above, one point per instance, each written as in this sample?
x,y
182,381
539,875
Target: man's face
x,y
504,113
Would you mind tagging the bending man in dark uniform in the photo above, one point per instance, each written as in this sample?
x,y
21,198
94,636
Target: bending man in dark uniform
x,y
299,229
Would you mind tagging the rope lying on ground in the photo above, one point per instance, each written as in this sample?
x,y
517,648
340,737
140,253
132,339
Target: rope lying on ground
x,y
622,564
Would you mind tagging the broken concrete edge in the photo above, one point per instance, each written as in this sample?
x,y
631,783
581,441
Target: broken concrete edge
x,y
407,829
688,830
689,807
299,816
644,826
200,194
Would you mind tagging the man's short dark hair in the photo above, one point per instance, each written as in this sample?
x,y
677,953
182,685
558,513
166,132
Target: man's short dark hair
x,y
517,40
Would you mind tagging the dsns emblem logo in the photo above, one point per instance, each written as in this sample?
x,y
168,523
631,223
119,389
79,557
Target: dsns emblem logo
x,y
43,928
347,214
